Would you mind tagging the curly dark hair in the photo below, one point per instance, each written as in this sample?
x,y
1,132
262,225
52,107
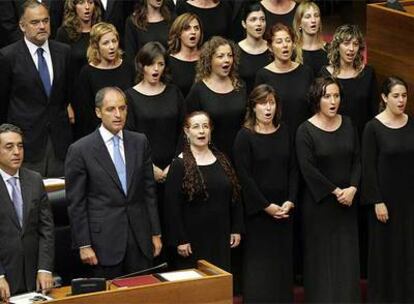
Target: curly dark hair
x,y
71,21
139,16
193,182
208,50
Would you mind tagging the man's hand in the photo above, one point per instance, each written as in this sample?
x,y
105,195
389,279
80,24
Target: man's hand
x,y
4,290
88,256
157,244
44,282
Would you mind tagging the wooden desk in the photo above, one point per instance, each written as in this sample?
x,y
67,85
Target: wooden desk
x,y
215,287
390,40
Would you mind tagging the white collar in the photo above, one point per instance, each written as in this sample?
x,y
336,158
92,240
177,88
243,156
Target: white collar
x,y
33,47
107,135
7,176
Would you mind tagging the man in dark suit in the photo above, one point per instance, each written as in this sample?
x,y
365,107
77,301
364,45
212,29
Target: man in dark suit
x,y
34,91
111,191
26,222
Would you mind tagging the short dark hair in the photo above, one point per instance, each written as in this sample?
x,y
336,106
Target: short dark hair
x,y
390,82
250,7
100,95
147,55
318,90
32,4
6,127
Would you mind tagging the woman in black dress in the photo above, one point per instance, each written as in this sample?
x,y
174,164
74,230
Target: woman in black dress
x,y
218,91
215,15
79,17
328,154
105,69
150,21
265,162
155,107
290,79
184,42
358,81
310,47
202,199
388,166
254,53
279,11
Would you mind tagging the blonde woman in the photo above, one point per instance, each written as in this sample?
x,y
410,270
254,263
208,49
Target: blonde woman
x,y
310,47
105,68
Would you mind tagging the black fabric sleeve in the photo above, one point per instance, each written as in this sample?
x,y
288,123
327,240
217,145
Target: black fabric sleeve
x,y
318,184
370,186
253,198
174,200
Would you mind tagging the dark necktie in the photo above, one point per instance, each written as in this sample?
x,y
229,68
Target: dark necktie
x,y
17,199
119,163
43,71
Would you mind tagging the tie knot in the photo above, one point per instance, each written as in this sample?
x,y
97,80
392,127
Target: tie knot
x,y
40,51
115,139
13,181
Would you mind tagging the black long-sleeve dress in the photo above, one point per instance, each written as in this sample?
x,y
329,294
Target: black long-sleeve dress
x,y
331,260
268,173
249,65
316,59
78,50
216,21
160,118
182,73
226,111
136,38
205,224
388,177
90,81
360,96
292,90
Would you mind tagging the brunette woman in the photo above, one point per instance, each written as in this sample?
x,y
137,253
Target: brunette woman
x,y
202,199
358,81
106,68
265,162
218,91
79,17
155,107
328,153
215,15
310,47
184,42
388,166
150,21
290,79
279,11
254,53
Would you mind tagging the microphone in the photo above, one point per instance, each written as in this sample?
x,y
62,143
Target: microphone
x,y
160,266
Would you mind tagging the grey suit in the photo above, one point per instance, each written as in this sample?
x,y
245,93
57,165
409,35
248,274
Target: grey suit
x,y
101,214
25,250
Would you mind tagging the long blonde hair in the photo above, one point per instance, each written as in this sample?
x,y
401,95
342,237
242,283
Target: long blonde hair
x,y
297,21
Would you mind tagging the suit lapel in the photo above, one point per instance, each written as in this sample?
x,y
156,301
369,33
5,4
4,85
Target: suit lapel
x,y
56,63
25,187
31,65
8,204
129,159
104,159
109,6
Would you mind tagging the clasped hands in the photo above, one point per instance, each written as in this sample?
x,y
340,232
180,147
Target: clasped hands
x,y
279,212
345,196
160,175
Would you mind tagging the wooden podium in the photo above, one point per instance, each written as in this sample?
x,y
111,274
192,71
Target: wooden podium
x,y
215,286
390,40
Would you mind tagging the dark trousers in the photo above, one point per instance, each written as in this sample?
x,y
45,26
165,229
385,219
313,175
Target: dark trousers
x,y
133,261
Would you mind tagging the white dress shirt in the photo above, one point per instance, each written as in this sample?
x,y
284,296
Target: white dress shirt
x,y
107,138
46,53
